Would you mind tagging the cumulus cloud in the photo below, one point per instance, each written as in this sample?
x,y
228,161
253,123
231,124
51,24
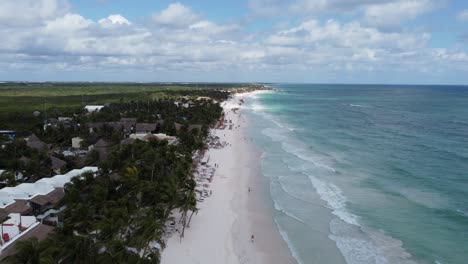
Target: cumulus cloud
x,y
180,40
30,12
382,13
69,23
175,15
114,20
350,35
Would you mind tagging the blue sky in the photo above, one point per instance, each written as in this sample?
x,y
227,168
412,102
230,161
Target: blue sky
x,y
314,41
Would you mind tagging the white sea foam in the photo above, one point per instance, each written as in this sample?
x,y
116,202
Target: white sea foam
x,y
276,122
463,213
356,242
285,237
373,247
358,105
257,107
306,156
274,134
293,148
335,199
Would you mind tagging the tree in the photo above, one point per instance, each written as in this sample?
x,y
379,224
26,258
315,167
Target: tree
x,y
32,251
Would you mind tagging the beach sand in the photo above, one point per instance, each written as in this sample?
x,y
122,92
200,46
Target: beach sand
x,y
221,231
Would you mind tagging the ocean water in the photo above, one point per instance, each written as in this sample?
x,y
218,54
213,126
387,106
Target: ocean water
x,y
366,173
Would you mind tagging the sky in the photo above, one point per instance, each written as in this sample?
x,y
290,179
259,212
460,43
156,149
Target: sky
x,y
293,41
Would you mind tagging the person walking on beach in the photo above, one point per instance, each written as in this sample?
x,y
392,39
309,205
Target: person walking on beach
x,y
252,238
249,189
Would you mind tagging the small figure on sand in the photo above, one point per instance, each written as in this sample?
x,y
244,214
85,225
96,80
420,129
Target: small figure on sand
x,y
252,238
249,189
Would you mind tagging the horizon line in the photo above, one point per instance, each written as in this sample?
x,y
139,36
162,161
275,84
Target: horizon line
x,y
232,82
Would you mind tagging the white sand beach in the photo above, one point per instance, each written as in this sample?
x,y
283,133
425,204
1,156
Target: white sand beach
x,y
221,231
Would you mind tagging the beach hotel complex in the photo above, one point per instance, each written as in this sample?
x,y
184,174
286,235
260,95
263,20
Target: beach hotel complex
x,y
30,208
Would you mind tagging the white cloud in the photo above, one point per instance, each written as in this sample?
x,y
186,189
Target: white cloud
x,y
66,24
350,35
302,6
114,20
175,15
396,13
67,41
209,27
30,12
463,15
381,13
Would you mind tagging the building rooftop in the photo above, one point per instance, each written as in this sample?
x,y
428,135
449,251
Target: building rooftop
x,y
35,143
19,206
57,163
26,190
93,108
145,127
51,198
59,181
44,186
39,231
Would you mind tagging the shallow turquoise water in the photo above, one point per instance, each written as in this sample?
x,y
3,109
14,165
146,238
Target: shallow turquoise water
x,y
367,174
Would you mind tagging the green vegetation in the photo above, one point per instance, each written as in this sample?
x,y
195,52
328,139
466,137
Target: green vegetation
x,y
118,216
28,97
18,101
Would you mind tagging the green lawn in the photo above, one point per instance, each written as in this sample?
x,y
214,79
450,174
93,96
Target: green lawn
x,y
28,97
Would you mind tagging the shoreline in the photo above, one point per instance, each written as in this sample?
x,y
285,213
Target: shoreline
x,y
221,231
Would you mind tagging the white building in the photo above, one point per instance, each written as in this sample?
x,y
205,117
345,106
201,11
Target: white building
x,y
94,108
27,191
59,181
18,225
64,118
76,142
147,136
14,226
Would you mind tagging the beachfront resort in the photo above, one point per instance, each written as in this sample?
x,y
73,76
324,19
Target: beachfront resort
x,y
120,181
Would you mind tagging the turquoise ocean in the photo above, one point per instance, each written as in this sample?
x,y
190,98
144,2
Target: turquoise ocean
x,y
366,173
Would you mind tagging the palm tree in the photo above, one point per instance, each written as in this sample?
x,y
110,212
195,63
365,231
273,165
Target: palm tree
x,y
169,195
150,230
131,174
194,211
32,251
28,252
188,203
79,249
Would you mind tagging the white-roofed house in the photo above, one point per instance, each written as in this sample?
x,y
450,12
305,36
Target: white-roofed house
x,y
14,227
76,142
5,200
26,198
93,108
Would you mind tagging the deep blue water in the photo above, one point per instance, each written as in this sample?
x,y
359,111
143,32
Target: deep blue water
x,y
367,173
